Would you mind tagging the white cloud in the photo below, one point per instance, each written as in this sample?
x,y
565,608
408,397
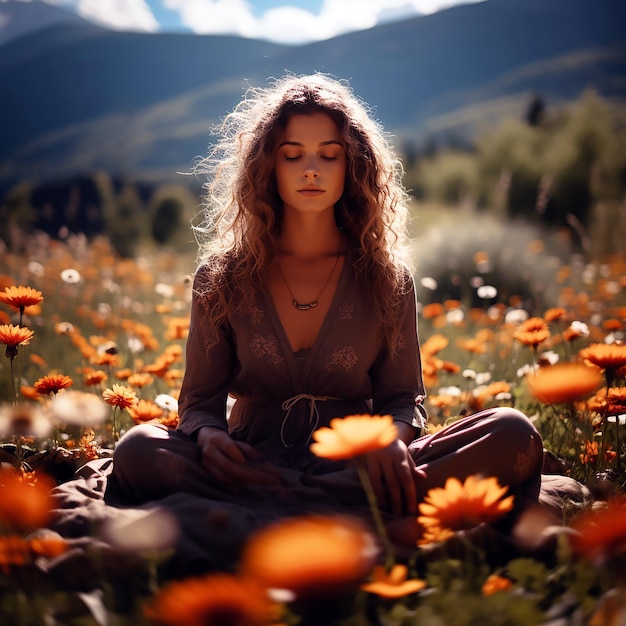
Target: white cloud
x,y
116,14
216,16
283,23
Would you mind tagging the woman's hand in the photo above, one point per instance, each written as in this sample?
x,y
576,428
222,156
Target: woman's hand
x,y
233,462
394,476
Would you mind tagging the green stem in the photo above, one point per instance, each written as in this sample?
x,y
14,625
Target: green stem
x,y
378,520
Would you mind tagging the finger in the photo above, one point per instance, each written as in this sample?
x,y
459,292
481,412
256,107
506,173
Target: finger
x,y
407,481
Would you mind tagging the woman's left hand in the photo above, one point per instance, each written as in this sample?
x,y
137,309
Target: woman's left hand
x,y
394,477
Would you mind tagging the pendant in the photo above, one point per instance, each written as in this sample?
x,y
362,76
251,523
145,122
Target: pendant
x,y
304,307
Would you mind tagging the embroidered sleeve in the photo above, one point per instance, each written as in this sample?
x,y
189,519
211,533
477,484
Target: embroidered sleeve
x,y
209,367
397,385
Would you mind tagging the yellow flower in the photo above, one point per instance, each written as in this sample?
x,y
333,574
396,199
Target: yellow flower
x,y
393,584
120,396
212,599
353,436
461,506
564,382
20,297
310,556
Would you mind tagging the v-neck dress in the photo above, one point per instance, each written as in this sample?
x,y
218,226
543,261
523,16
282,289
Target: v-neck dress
x,y
281,397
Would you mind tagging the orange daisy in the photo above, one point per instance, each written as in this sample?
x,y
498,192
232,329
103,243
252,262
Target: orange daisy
x,y
310,556
532,332
140,380
14,551
52,383
353,436
212,599
20,297
25,500
461,506
564,382
120,396
495,584
48,544
601,532
554,314
393,584
13,336
145,411
608,356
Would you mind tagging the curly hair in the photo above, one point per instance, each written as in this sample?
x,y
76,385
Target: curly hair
x,y
243,211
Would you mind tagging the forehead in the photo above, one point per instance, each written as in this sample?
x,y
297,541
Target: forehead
x,y
311,128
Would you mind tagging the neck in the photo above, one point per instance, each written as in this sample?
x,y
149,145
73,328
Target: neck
x,y
306,237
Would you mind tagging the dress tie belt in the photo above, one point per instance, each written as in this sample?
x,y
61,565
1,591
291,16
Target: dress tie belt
x,y
314,414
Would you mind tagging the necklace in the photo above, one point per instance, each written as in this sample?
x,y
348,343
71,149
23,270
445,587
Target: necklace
x,y
307,306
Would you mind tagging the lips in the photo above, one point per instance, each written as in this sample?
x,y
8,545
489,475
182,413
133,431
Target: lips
x,y
311,191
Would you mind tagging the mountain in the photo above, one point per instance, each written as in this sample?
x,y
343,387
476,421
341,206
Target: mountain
x,y
75,97
20,18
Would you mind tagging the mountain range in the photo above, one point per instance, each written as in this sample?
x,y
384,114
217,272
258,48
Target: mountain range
x,y
75,97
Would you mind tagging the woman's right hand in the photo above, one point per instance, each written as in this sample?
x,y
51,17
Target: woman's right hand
x,y
233,462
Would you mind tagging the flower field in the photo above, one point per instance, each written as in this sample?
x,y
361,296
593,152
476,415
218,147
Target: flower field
x,y
93,345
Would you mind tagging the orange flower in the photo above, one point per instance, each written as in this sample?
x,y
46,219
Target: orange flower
x,y
140,380
532,332
393,584
592,452
460,506
609,357
601,532
120,396
13,551
434,344
53,383
145,411
12,336
20,297
353,436
432,310
554,314
563,382
48,544
495,584
212,599
25,501
93,377
310,556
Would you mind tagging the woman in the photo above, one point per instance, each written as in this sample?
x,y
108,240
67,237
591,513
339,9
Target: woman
x,y
304,310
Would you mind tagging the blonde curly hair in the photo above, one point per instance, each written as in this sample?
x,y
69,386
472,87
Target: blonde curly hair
x,y
242,214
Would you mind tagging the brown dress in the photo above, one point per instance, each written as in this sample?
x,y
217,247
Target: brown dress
x,y
280,399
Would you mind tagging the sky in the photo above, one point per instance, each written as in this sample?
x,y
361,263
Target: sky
x,y
283,21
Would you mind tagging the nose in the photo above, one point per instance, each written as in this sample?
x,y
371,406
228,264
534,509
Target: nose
x,y
311,171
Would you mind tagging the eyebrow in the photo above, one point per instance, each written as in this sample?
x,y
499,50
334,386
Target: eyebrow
x,y
321,144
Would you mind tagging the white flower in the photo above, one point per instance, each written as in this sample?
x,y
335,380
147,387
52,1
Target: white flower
x,y
23,420
429,283
71,276
166,402
487,292
580,328
516,316
164,290
79,408
140,531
